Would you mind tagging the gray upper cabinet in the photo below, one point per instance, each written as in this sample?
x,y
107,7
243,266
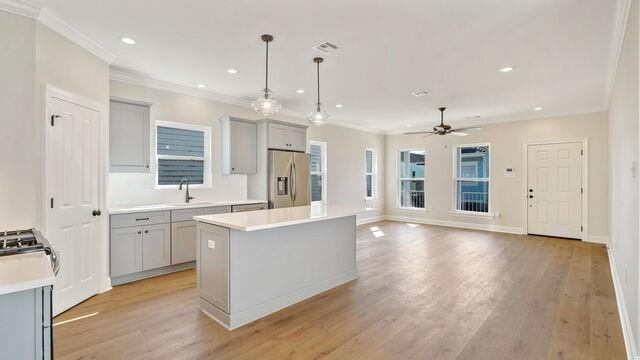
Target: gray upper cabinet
x,y
286,136
239,146
128,137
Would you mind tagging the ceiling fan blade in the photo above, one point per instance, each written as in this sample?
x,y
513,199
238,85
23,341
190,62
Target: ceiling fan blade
x,y
457,133
421,132
469,129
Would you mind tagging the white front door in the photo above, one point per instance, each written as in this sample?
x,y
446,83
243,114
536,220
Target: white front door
x,y
554,190
72,192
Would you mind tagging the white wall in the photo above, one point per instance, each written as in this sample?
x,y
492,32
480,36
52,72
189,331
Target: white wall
x,y
623,155
507,195
345,166
19,143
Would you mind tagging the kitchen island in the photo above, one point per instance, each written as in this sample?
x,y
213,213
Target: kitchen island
x,y
254,263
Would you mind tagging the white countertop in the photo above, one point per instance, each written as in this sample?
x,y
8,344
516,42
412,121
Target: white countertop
x,y
273,218
191,205
25,271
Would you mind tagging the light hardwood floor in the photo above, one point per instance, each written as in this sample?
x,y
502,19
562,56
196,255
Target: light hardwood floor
x,y
424,292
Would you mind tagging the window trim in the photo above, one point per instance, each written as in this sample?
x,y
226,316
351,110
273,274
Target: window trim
x,y
323,161
206,180
374,174
454,167
400,179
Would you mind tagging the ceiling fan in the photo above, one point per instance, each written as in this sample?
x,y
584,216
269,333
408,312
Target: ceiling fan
x,y
444,129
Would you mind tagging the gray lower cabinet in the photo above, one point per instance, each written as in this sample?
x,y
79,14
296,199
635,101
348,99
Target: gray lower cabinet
x,y
156,246
126,250
183,241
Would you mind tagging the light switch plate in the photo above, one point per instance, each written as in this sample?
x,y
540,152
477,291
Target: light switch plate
x,y
211,244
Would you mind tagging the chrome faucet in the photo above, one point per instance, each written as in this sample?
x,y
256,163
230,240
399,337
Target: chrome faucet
x,y
187,198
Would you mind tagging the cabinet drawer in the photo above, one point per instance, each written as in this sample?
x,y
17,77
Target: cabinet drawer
x,y
216,210
138,219
185,214
249,207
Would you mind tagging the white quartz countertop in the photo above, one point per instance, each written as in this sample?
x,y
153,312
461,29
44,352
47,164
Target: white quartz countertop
x,y
25,271
273,218
191,205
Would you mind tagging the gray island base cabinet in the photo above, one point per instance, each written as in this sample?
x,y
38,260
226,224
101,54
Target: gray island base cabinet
x,y
245,275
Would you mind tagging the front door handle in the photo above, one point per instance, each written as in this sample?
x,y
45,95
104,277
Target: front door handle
x,y
96,212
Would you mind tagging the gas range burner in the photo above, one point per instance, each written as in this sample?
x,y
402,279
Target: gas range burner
x,y
20,242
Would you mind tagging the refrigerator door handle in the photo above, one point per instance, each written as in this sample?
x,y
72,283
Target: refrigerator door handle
x,y
291,181
295,182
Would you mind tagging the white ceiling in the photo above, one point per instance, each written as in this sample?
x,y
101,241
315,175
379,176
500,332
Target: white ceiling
x,y
564,52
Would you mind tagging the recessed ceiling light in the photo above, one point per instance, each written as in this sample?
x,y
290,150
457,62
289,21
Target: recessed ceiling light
x,y
300,91
128,41
232,71
538,108
507,69
338,105
202,86
408,125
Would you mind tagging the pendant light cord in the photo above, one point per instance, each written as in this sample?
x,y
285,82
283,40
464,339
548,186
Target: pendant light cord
x,y
318,103
266,69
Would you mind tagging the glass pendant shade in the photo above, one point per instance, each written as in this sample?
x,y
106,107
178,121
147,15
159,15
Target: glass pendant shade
x,y
318,116
265,104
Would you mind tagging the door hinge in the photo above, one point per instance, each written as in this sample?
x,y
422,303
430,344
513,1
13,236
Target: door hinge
x,y
581,190
53,119
51,203
581,152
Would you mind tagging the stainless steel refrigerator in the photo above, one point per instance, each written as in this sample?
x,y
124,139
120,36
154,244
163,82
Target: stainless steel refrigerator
x,y
289,183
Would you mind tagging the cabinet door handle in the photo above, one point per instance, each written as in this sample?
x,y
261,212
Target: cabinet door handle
x,y
146,231
139,232
142,219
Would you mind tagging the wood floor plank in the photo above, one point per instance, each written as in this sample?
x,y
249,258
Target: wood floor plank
x,y
424,292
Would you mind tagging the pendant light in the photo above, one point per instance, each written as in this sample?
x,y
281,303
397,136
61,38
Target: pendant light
x,y
265,104
318,116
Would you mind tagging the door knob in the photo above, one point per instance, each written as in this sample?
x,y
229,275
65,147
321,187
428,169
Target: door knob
x,y
96,213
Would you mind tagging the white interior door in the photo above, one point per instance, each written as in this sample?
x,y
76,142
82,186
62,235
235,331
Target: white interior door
x,y
72,192
554,191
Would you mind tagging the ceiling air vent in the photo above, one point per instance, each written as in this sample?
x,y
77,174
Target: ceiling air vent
x,y
325,47
420,93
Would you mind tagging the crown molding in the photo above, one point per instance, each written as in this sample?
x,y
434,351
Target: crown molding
x,y
137,78
26,8
58,25
128,76
623,8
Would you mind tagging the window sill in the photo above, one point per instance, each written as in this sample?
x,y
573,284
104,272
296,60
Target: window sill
x,y
372,199
470,213
175,187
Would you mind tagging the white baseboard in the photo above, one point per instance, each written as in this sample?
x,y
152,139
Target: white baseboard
x,y
598,239
627,331
458,224
370,220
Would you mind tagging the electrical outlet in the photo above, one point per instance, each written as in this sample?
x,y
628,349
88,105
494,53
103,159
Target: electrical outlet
x,y
211,244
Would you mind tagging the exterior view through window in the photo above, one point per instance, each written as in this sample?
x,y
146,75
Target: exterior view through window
x,y
412,176
318,178
472,178
370,173
181,155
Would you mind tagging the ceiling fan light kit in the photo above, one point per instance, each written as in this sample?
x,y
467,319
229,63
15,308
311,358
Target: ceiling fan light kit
x,y
265,104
